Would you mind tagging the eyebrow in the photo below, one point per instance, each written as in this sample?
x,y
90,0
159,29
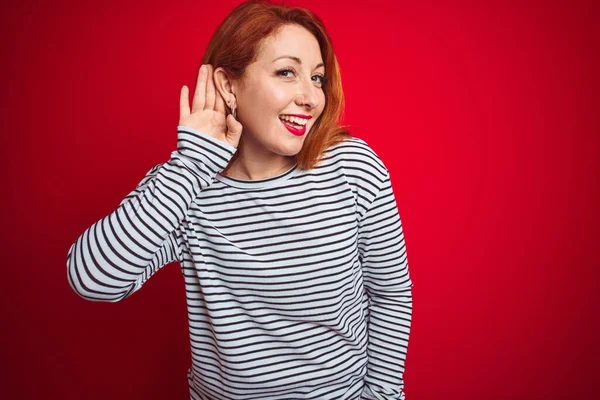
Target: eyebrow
x,y
295,59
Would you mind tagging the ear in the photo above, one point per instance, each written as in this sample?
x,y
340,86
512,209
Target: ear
x,y
225,86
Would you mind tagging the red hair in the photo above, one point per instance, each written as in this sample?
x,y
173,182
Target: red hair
x,y
234,46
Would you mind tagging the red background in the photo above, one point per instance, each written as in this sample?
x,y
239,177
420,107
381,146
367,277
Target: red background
x,y
486,115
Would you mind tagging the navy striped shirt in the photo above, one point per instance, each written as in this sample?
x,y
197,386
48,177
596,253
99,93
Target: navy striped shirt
x,y
297,285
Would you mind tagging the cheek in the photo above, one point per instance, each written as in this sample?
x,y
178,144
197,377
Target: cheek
x,y
279,100
321,106
269,100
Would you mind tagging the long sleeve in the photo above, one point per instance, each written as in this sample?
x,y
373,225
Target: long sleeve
x,y
382,252
115,256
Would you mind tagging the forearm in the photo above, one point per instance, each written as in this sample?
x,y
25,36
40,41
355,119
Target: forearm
x,y
114,256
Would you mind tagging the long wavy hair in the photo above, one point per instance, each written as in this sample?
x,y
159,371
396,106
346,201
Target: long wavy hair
x,y
234,46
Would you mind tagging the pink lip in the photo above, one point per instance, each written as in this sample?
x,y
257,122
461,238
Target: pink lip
x,y
295,131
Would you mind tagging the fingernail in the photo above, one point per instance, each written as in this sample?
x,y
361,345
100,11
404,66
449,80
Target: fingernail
x,y
203,68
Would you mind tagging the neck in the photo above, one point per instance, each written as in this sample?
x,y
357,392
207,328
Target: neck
x,y
253,165
258,169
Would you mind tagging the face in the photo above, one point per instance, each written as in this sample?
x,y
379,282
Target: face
x,y
275,85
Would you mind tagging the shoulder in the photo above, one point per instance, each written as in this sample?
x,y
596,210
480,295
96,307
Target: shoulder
x,y
359,159
363,169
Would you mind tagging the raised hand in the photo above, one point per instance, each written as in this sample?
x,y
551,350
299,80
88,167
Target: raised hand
x,y
208,114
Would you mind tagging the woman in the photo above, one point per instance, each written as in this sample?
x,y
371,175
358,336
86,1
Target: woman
x,y
286,228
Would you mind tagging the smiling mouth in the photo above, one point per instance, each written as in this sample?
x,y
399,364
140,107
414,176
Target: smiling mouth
x,y
298,130
293,121
295,125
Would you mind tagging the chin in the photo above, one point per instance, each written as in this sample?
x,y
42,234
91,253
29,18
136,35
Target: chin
x,y
289,151
288,148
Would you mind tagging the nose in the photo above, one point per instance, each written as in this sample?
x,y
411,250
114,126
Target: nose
x,y
308,95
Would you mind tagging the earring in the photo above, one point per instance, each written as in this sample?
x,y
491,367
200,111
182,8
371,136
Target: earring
x,y
233,110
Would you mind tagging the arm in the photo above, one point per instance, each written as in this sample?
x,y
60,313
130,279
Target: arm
x,y
113,258
382,252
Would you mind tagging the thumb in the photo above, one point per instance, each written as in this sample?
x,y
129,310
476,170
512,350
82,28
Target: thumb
x,y
234,130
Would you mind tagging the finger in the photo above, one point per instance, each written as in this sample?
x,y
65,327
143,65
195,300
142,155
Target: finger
x,y
209,103
184,103
234,128
199,92
234,131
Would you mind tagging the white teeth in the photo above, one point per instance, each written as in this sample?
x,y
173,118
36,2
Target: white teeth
x,y
297,120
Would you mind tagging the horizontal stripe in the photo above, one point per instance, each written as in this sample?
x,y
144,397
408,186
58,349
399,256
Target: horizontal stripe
x,y
297,286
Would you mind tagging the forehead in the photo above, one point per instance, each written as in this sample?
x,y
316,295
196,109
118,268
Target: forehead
x,y
291,40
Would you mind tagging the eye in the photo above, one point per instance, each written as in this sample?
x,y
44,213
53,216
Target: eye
x,y
283,72
323,79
